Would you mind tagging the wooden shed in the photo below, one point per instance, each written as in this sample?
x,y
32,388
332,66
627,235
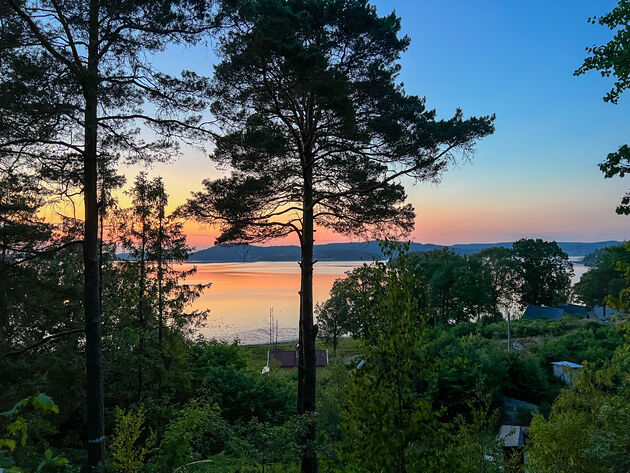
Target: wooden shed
x,y
288,359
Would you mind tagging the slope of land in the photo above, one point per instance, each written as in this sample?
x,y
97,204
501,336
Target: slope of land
x,y
361,251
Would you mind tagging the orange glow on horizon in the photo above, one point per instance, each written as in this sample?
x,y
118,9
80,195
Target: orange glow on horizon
x,y
241,295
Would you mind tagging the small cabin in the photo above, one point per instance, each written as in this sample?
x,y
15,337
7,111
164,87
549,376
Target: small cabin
x,y
513,438
536,312
575,310
565,370
288,359
602,313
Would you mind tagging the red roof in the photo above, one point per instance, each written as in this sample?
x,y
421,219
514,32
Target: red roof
x,y
289,358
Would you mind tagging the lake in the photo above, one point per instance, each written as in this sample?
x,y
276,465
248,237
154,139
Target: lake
x,y
242,295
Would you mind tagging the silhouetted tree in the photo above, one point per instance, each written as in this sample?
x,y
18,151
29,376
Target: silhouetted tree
x,y
333,316
613,59
318,133
22,233
607,282
87,96
154,242
500,264
436,273
544,272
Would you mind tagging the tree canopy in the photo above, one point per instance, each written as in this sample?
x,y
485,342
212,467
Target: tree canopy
x,y
89,63
317,132
307,96
544,272
612,60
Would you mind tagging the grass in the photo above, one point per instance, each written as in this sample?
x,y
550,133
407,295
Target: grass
x,y
256,355
228,464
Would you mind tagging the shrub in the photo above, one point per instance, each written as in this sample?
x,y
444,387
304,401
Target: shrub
x,y
130,445
197,432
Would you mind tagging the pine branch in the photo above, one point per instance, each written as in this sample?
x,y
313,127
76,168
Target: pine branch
x,y
48,338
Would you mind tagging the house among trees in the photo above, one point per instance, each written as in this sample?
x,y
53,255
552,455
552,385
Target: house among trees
x,y
288,359
565,370
534,312
575,310
512,438
602,313
598,312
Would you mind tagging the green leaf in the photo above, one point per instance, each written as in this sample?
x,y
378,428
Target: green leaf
x,y
61,461
7,443
45,403
18,427
48,454
15,408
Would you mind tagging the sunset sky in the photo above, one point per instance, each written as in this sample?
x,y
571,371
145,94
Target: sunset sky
x,y
537,175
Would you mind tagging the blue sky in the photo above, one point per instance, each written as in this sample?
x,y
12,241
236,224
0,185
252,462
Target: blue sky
x,y
537,175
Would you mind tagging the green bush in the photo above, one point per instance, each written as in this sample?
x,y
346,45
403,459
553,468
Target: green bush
x,y
130,445
197,432
243,395
526,379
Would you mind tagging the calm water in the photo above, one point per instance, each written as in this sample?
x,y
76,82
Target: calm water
x,y
242,294
578,268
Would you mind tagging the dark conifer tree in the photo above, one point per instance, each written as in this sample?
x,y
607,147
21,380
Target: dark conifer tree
x,y
154,243
84,73
318,132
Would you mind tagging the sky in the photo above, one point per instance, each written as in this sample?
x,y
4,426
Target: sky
x,y
537,176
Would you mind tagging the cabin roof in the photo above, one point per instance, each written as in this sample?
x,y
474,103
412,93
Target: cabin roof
x,y
569,364
597,312
574,309
512,435
534,312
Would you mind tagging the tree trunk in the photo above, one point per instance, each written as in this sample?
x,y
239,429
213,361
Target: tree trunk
x,y
95,415
307,361
141,318
5,342
5,328
300,387
101,218
160,277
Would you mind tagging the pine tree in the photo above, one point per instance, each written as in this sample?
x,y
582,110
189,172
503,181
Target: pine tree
x,y
318,132
154,243
81,77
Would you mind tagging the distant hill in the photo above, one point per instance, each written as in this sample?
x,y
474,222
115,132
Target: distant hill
x,y
592,259
363,251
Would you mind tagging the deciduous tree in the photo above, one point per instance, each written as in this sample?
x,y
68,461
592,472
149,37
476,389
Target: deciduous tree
x,y
613,59
606,279
544,272
501,265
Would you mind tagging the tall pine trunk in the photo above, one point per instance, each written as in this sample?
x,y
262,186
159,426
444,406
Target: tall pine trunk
x,y
160,277
4,306
160,272
308,332
94,372
142,290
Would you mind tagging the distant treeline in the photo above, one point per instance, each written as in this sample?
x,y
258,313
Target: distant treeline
x,y
363,251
